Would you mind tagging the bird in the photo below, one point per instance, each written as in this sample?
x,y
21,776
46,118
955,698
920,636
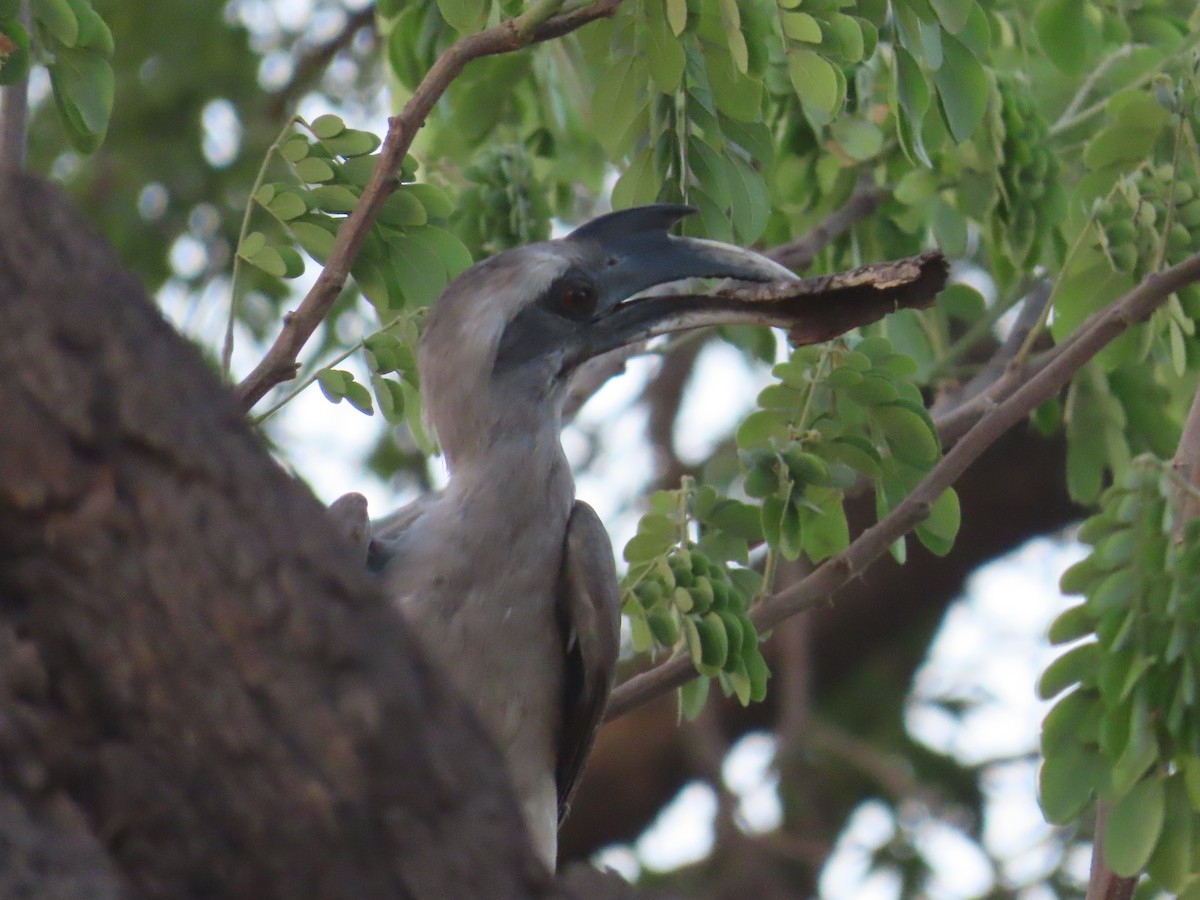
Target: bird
x,y
507,580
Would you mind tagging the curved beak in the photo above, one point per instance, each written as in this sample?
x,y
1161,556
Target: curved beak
x,y
628,251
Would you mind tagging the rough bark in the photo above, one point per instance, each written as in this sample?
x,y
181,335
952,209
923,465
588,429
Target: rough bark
x,y
200,693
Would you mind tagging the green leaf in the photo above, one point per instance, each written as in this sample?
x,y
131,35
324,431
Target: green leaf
x,y
963,88
849,34
790,534
403,210
282,262
751,206
1170,864
287,205
1134,824
912,93
937,532
314,170
824,530
1071,625
454,255
57,18
422,273
815,82
800,26
390,394
327,126
1117,145
1068,780
463,15
333,383
352,143
316,240
616,104
295,149
953,14
14,52
860,139
908,434
83,91
1065,33
1078,664
251,244
334,198
760,428
360,398
677,15
692,697
638,185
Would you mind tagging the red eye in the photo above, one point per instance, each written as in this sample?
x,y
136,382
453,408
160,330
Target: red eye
x,y
578,299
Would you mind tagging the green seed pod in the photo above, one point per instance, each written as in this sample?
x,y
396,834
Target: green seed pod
x,y
806,468
733,637
723,594
663,626
714,642
1124,257
702,594
682,570
649,591
756,668
761,481
1179,242
665,574
1188,215
749,637
1184,192
1120,232
683,599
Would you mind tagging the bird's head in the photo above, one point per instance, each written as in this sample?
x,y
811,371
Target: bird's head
x,y
505,336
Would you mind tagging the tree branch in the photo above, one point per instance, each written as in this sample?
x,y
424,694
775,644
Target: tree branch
x,y
315,59
279,363
800,253
1021,396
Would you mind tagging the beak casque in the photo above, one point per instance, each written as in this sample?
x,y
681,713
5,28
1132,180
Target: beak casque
x,y
631,250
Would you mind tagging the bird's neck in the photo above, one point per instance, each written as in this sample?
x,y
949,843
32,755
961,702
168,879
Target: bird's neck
x,y
514,473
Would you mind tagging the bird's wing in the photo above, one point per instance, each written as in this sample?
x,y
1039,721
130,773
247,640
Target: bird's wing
x,y
589,609
387,532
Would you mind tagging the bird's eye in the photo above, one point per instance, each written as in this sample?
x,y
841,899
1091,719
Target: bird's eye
x,y
577,299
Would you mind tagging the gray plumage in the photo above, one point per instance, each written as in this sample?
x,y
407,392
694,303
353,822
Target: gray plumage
x,y
507,580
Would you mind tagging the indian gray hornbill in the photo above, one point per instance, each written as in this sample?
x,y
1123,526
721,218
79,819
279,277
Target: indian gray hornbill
x,y
506,578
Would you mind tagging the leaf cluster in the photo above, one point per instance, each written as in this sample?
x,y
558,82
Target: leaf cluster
x,y
1128,731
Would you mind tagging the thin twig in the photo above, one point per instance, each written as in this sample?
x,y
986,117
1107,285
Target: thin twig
x,y
1028,317
1065,122
800,253
236,287
314,60
279,363
1093,78
1022,396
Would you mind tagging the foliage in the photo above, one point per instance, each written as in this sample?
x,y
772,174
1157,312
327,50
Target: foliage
x,y
1043,144
1129,731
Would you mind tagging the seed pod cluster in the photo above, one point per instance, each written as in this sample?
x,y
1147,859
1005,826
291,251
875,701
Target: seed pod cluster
x,y
687,600
1132,220
1028,175
1129,729
506,204
835,416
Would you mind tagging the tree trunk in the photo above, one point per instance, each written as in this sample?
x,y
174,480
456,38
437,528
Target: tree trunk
x,y
201,692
